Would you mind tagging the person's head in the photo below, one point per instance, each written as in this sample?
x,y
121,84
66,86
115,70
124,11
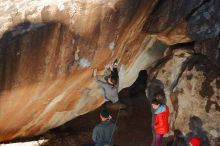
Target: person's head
x,y
104,115
195,141
160,95
155,103
195,124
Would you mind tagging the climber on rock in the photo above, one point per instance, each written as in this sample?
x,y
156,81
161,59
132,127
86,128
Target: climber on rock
x,y
111,73
109,83
110,89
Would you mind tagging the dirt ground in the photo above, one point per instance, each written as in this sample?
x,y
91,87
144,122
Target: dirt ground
x,y
134,124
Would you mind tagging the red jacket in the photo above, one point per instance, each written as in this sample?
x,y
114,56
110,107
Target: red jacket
x,y
161,124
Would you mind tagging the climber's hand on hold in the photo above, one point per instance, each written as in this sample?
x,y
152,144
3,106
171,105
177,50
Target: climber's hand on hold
x,y
94,72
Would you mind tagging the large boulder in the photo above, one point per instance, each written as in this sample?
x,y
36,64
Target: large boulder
x,y
191,85
204,23
49,49
197,94
169,13
184,20
175,35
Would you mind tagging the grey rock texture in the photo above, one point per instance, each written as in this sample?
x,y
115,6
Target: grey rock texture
x,y
209,48
191,85
169,13
204,23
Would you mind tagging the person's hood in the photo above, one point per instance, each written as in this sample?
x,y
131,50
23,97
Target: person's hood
x,y
160,109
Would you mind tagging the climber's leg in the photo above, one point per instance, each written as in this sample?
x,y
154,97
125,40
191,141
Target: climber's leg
x,y
114,74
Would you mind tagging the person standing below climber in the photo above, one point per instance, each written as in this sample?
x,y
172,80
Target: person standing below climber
x,y
161,115
109,83
103,132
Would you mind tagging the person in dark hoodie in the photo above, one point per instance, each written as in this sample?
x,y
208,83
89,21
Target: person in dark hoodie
x,y
103,132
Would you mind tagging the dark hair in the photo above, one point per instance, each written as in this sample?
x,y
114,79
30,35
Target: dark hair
x,y
104,113
195,123
160,95
155,101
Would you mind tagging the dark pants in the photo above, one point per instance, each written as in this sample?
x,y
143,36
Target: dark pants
x,y
114,74
159,138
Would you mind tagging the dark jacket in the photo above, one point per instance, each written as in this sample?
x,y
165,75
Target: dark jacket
x,y
103,133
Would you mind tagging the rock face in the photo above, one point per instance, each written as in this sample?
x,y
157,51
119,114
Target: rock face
x,y
210,48
169,13
48,50
191,87
189,71
204,23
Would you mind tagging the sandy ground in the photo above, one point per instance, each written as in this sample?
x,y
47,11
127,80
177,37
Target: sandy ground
x,y
134,125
